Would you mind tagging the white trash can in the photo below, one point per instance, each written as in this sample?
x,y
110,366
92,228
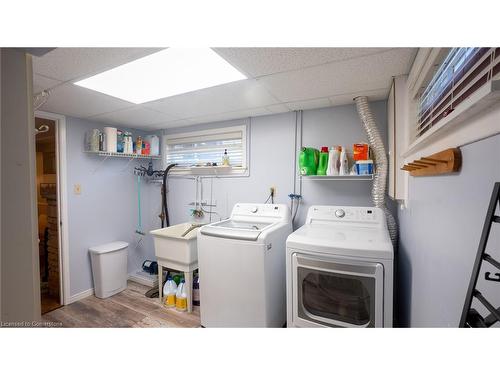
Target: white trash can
x,y
109,268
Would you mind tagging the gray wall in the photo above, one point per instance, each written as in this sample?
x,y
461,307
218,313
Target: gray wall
x,y
439,237
272,163
20,291
106,210
338,126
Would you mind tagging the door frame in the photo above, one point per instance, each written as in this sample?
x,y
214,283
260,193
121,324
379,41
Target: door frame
x,y
62,203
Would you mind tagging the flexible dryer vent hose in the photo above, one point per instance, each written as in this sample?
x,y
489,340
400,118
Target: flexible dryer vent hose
x,y
381,165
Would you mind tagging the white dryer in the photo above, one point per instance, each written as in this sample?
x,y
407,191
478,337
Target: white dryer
x,y
242,267
340,269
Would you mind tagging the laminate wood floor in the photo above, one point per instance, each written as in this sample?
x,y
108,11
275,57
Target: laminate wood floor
x,y
130,308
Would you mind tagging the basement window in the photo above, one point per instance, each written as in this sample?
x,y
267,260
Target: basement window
x,y
461,75
202,152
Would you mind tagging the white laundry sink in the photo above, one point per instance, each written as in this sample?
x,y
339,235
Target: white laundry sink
x,y
176,245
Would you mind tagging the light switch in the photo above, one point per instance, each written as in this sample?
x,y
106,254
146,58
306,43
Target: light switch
x,y
77,189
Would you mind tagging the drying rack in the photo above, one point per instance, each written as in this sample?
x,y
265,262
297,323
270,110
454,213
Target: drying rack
x,y
471,317
447,161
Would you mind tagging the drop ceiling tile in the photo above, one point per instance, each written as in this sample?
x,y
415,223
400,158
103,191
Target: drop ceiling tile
x,y
278,108
231,115
69,99
230,97
356,75
257,62
309,104
174,124
66,64
41,83
137,117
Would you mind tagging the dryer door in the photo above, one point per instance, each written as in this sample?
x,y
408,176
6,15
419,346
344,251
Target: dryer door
x,y
336,292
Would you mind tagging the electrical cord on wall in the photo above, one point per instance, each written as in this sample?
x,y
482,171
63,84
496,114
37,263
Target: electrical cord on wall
x,y
293,198
271,197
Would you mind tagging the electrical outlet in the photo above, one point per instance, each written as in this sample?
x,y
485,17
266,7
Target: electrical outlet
x,y
77,189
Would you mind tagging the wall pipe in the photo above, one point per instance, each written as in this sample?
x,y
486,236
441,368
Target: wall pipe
x,y
381,164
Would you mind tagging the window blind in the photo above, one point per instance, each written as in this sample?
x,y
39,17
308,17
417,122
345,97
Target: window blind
x,y
200,150
461,74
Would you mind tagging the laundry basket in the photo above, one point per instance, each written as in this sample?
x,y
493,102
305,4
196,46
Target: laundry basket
x,y
109,268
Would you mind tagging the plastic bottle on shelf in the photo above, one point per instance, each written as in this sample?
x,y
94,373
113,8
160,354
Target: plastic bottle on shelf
x,y
181,297
225,158
344,163
128,149
308,161
333,161
138,145
170,291
323,162
120,141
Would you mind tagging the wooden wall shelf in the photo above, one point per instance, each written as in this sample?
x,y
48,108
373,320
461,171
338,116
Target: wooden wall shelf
x,y
447,161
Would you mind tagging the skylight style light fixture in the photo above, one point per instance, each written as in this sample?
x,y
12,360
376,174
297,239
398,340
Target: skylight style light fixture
x,y
169,72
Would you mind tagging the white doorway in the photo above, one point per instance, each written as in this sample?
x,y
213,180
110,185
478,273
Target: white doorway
x,y
55,188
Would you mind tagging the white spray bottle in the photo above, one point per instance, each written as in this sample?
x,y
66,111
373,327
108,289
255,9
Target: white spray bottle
x,y
333,161
344,163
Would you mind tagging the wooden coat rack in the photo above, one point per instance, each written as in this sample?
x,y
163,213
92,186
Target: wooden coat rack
x,y
447,161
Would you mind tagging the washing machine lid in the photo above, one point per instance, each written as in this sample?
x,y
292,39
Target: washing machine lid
x,y
248,221
355,241
236,229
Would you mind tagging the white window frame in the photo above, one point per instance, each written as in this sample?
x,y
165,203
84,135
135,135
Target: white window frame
x,y
459,128
242,171
454,130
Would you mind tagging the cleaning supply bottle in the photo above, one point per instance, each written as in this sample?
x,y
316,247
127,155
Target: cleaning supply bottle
x,y
308,161
170,293
196,291
181,297
333,161
323,162
177,279
138,145
344,163
225,158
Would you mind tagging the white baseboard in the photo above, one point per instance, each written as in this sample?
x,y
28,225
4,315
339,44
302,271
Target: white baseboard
x,y
81,295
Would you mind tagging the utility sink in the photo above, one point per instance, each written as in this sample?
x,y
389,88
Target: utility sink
x,y
176,245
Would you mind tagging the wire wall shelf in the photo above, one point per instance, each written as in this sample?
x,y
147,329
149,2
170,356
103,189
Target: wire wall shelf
x,y
122,155
359,177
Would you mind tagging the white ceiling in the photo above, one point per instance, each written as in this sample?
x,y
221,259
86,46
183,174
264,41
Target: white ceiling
x,y
280,80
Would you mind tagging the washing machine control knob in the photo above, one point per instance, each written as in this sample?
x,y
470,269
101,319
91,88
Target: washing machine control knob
x,y
254,209
340,213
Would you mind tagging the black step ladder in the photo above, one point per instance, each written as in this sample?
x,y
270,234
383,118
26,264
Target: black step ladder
x,y
470,317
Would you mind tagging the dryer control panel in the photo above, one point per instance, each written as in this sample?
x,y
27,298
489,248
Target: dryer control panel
x,y
346,214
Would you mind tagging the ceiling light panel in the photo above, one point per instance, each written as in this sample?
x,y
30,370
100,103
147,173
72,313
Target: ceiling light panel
x,y
170,72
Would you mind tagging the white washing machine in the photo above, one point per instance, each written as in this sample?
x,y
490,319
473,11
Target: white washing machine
x,y
340,269
242,267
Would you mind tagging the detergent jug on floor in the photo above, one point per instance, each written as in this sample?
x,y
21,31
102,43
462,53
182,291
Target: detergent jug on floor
x,y
181,297
170,290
